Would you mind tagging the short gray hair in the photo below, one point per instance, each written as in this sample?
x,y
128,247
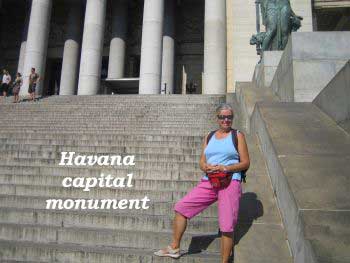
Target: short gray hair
x,y
224,106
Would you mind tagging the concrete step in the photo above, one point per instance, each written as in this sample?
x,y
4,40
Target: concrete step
x,y
149,165
110,127
114,110
160,208
97,237
126,108
310,175
59,192
107,124
116,103
35,252
264,251
25,143
140,152
140,184
257,204
166,171
169,114
120,136
161,99
104,220
101,132
74,114
87,115
207,242
55,170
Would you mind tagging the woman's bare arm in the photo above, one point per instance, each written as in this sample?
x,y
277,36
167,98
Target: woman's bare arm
x,y
205,167
203,161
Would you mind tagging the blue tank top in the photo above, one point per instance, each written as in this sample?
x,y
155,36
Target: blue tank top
x,y
222,152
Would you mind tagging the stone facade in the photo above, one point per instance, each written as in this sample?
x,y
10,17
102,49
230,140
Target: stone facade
x,y
75,44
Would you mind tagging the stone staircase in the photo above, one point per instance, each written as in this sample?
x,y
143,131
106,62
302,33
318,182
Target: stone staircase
x,y
165,135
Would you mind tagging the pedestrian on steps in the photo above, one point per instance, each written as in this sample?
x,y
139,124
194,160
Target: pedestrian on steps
x,y
16,87
6,81
34,78
219,158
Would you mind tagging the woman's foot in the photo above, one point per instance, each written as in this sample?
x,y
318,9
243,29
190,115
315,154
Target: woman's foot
x,y
168,252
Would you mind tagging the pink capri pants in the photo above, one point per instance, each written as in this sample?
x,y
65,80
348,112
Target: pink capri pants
x,y
203,195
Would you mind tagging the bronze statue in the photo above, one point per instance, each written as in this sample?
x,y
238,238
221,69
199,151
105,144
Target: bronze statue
x,y
279,21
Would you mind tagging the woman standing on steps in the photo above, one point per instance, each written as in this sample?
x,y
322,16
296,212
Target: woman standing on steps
x,y
219,158
16,87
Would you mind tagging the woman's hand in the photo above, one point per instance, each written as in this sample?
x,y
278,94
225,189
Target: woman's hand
x,y
216,168
211,168
207,168
219,168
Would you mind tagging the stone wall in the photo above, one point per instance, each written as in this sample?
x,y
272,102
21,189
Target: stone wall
x,y
335,97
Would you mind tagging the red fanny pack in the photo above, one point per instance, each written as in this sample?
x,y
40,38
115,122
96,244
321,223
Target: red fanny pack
x,y
220,179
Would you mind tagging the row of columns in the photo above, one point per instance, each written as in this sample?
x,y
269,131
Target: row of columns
x,y
157,48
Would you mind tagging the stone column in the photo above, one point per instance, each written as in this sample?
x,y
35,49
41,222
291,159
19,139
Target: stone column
x,y
37,40
23,45
71,51
92,47
168,60
151,47
117,47
21,56
229,29
215,47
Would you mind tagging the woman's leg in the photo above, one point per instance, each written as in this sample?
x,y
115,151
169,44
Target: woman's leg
x,y
198,199
228,206
179,227
226,246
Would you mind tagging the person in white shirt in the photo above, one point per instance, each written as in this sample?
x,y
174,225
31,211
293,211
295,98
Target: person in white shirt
x,y
6,80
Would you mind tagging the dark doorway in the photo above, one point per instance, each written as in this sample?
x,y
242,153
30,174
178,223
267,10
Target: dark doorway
x,y
104,67
52,77
133,66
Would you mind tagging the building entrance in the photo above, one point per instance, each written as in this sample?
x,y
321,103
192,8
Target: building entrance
x,y
52,77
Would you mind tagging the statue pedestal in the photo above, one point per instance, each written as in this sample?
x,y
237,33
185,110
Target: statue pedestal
x,y
309,61
264,72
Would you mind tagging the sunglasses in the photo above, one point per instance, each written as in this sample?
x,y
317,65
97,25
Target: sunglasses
x,y
223,117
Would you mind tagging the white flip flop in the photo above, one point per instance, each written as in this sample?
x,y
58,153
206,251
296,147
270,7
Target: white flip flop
x,y
168,252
